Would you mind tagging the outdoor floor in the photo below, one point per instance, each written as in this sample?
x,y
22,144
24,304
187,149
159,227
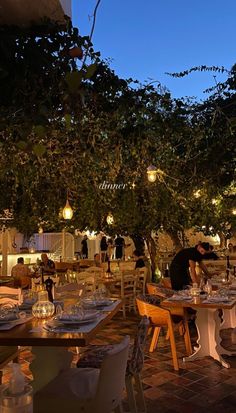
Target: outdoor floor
x,y
199,386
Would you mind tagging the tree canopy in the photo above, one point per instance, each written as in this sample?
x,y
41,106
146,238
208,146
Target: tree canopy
x,y
68,124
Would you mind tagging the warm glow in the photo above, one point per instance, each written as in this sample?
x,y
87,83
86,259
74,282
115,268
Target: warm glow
x,y
214,201
91,234
197,193
40,230
67,212
110,219
234,211
152,173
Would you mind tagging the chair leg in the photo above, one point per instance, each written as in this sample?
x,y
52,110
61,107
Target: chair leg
x,y
140,395
131,394
167,334
154,339
187,340
173,348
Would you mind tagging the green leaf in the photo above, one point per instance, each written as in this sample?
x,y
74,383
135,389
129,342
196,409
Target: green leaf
x,y
73,80
39,149
91,69
39,130
68,120
22,145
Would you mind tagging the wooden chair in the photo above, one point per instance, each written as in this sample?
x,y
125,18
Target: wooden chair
x,y
87,390
141,276
88,279
161,317
125,290
94,355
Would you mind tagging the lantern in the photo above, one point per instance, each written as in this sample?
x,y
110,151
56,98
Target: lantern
x,y
43,308
110,219
67,212
152,173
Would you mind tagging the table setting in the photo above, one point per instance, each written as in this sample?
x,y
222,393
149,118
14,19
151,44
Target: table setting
x,y
10,316
68,322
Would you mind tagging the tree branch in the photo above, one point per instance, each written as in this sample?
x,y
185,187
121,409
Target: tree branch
x,y
92,30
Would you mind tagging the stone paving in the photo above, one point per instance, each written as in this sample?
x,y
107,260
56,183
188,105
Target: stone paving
x,y
199,386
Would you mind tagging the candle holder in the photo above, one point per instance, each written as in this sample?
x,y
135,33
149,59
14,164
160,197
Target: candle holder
x,y
43,308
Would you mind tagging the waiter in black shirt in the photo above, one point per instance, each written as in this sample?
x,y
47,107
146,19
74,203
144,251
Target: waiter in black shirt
x,y
183,266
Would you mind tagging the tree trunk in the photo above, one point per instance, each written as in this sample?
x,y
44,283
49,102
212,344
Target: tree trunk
x,y
223,240
175,239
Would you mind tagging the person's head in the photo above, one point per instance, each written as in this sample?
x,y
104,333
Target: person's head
x,y
20,260
85,237
230,246
203,248
44,257
96,257
137,254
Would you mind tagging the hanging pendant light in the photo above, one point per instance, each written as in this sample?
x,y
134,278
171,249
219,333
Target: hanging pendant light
x,y
152,173
67,212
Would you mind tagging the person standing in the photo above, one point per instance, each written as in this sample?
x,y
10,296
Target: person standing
x,y
84,245
183,266
110,249
119,244
103,248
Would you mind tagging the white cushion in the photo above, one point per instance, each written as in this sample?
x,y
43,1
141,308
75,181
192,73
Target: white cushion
x,y
72,383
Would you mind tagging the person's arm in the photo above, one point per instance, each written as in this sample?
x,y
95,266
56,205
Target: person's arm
x,y
204,269
193,274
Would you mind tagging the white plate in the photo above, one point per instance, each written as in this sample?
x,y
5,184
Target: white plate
x,y
219,299
104,303
76,322
88,317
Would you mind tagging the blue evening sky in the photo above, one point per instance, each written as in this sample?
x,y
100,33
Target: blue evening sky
x,y
146,38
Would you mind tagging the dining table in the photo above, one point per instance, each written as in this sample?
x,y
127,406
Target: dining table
x,y
50,348
208,324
